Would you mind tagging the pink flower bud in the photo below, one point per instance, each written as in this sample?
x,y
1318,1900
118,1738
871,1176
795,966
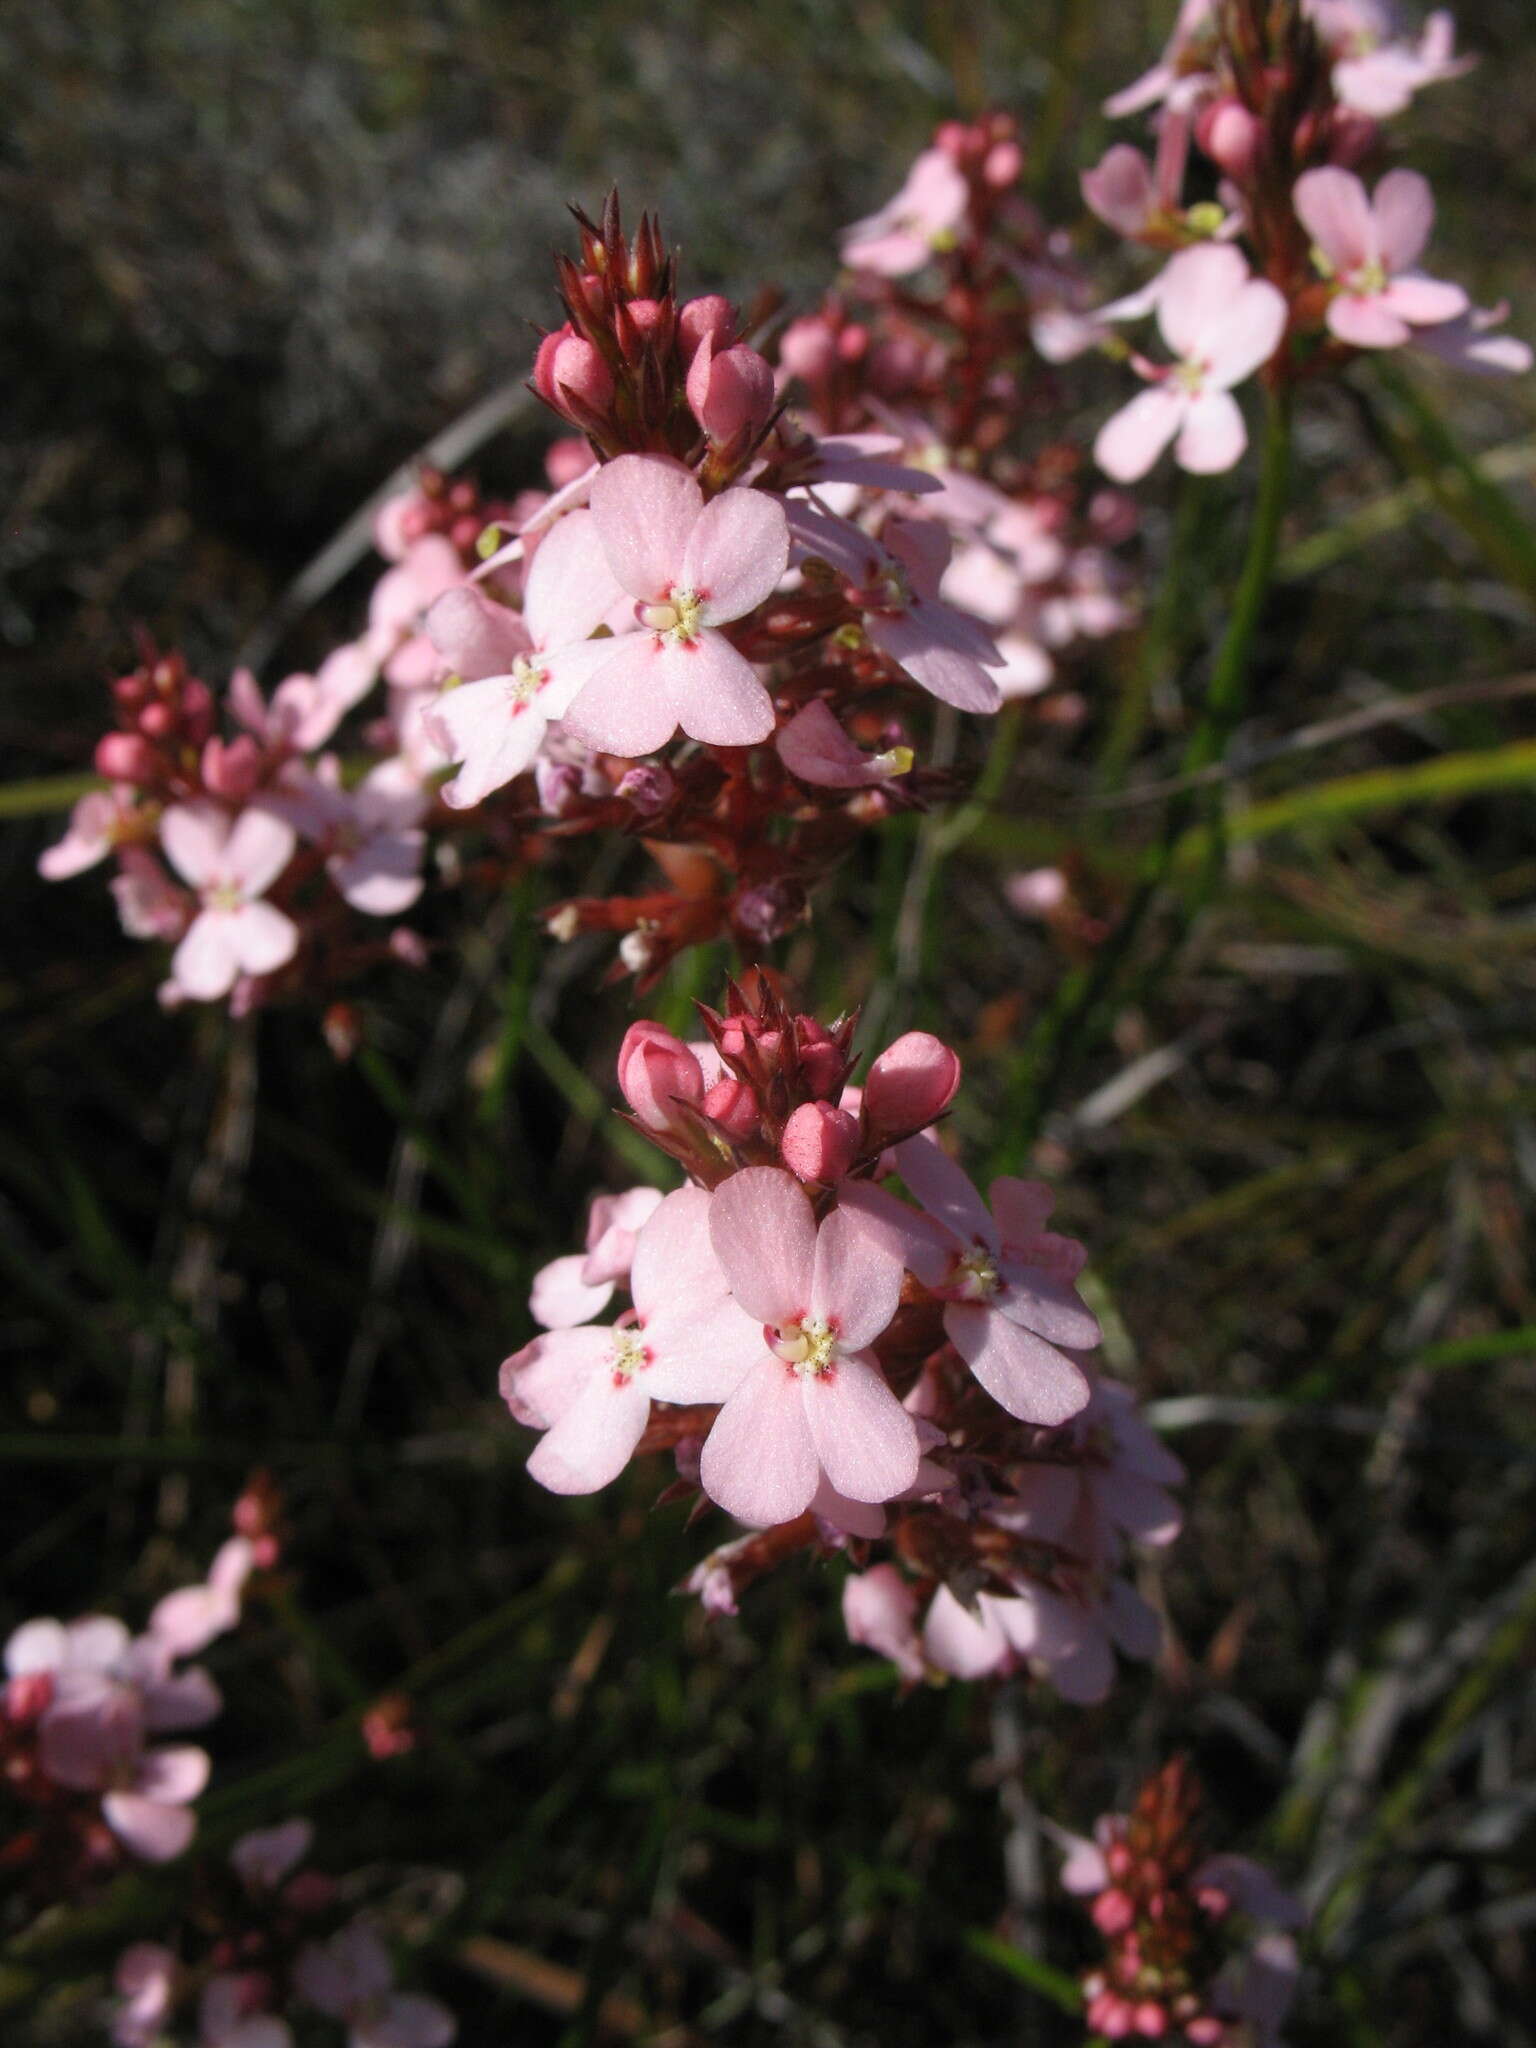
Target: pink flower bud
x,y
822,1065
126,757
1230,137
711,316
544,363
649,787
731,394
657,1070
570,458
808,349
1120,1860
820,1143
157,721
1110,2015
28,1696
733,1107
1002,165
1151,2020
911,1083
196,711
573,370
231,768
1205,2033
1113,1912
408,946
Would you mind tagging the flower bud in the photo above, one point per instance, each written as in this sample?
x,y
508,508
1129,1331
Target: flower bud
x,y
126,757
1002,164
197,712
1230,136
710,316
1208,2032
657,1070
733,1106
808,349
649,787
910,1084
231,768
1113,1912
157,721
732,393
820,1143
572,370
1151,2020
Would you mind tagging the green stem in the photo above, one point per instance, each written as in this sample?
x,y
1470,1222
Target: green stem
x,y
1066,1026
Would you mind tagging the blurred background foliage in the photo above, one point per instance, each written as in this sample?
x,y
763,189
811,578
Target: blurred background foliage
x,y
255,256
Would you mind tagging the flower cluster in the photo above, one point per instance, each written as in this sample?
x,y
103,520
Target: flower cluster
x,y
81,1710
275,1942
1294,266
836,1365
1174,1968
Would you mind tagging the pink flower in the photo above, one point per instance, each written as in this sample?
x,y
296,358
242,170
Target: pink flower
x,y
1132,196
918,221
95,825
352,1979
1367,247
145,1980
305,710
371,833
693,568
231,863
262,1859
1222,325
1169,77
189,1619
814,747
815,1401
1375,72
401,597
520,672
573,1290
1007,1283
590,1389
879,1611
224,2019
1473,343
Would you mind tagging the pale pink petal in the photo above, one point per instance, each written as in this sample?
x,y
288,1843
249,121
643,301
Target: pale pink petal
x,y
1331,205
856,1283
259,847
1195,291
860,1518
759,1461
675,1271
1405,218
964,1643
764,1234
865,1439
35,1646
626,706
475,636
570,588
264,1857
260,937
815,747
645,508
714,691
87,841
925,1245
172,1774
1424,301
879,1611
547,1377
148,1829
490,731
1134,1626
1084,1870
736,554
1132,439
1213,435
945,1190
205,964
702,1356
1244,335
1020,1207
567,668
1119,189
1366,322
1019,1370
193,837
592,1442
930,658
383,877
1142,1509
187,1699
561,1298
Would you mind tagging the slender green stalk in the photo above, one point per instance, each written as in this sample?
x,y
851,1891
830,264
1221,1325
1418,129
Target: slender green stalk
x,y
1067,1024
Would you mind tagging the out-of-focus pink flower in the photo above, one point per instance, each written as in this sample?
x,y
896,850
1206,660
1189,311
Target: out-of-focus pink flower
x,y
693,568
574,1289
401,598
189,1619
1170,77
1135,197
1221,324
880,1611
263,1858
1376,69
518,673
1006,1281
1367,247
813,746
225,2018
816,1400
1037,892
918,221
95,825
590,1389
1473,343
231,863
351,1979
374,845
145,1981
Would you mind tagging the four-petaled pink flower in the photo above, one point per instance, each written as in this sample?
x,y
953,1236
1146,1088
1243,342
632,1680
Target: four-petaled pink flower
x,y
692,568
1005,1279
815,1401
518,672
1222,324
591,1388
1367,247
372,834
231,863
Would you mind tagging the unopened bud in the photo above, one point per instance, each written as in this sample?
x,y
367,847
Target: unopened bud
x,y
910,1084
732,393
1113,1912
649,787
710,316
1230,136
1151,2020
733,1106
656,1072
126,757
808,349
819,1143
231,768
